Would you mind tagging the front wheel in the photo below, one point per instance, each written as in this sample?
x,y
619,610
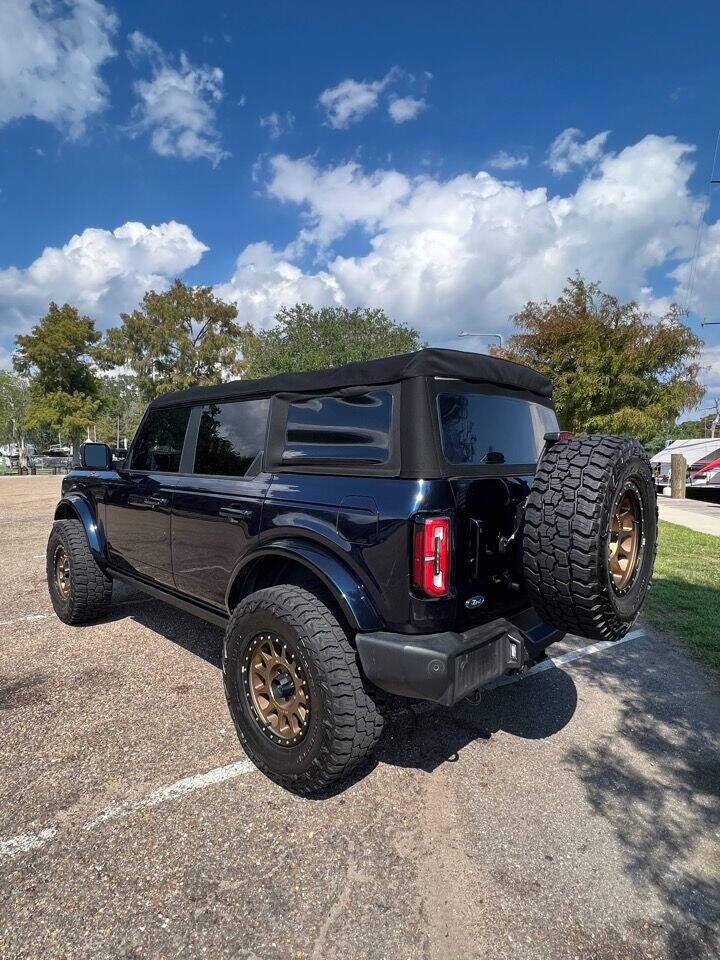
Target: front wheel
x,y
293,686
80,590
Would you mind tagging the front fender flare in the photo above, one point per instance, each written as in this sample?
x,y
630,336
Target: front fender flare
x,y
78,505
340,581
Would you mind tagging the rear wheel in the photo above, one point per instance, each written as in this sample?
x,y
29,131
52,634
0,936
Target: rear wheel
x,y
590,535
80,590
293,686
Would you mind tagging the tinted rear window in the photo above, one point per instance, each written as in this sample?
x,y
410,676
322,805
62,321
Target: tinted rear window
x,y
485,429
160,441
231,436
352,428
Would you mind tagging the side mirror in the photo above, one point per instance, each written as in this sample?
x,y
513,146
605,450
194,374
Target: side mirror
x,y
95,456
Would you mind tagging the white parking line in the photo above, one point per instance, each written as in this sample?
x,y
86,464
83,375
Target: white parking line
x,y
178,789
26,842
571,655
37,616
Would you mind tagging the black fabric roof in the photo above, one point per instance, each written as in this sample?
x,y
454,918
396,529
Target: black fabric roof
x,y
433,362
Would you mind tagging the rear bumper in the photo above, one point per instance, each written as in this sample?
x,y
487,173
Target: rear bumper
x,y
445,667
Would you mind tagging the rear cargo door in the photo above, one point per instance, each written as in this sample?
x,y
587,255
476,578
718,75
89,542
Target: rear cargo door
x,y
491,441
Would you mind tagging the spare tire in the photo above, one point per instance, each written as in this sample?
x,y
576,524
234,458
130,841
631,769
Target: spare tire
x,y
590,535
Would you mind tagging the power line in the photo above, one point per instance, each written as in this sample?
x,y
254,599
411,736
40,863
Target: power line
x,y
698,233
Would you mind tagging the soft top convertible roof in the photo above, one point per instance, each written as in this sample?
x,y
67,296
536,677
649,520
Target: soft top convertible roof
x,y
432,362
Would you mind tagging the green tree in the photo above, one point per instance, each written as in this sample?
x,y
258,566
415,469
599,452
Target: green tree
x,y
13,407
304,338
176,339
57,357
121,408
614,369
685,430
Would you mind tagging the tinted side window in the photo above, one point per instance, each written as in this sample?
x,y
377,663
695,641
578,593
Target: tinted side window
x,y
231,436
353,428
160,441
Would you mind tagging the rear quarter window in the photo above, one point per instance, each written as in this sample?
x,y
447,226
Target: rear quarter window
x,y
342,429
486,429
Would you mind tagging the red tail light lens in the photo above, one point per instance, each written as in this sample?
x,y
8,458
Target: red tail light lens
x,y
551,438
431,555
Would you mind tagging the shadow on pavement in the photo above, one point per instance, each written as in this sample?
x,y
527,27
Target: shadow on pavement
x,y
656,780
417,735
424,735
198,637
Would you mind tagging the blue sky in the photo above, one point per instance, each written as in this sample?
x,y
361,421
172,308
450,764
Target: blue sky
x,y
445,161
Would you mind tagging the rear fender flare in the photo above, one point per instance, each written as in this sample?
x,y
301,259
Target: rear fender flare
x,y
77,506
340,581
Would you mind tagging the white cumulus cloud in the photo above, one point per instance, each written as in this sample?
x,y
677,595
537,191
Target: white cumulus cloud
x,y
336,198
507,161
351,100
698,279
51,54
265,279
448,254
177,105
101,272
402,109
567,150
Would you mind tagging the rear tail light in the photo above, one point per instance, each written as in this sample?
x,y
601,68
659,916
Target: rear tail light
x,y
551,438
431,555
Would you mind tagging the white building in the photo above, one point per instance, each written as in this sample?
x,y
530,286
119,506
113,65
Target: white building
x,y
696,452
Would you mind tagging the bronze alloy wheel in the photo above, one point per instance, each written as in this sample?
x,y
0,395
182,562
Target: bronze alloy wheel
x,y
276,689
62,571
625,539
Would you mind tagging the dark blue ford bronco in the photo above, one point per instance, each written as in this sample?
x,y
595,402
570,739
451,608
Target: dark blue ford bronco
x,y
414,526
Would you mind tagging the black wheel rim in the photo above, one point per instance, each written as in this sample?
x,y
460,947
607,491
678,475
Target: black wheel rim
x,y
276,690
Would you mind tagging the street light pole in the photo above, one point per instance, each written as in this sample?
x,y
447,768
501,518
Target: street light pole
x,y
465,333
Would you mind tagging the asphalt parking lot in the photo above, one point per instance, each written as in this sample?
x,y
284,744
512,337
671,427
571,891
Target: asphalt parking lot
x,y
575,814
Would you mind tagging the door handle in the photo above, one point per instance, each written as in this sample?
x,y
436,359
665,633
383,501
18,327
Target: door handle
x,y
235,514
156,501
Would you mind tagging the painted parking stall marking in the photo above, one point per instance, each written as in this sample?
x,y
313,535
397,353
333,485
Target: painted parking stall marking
x,y
27,842
571,655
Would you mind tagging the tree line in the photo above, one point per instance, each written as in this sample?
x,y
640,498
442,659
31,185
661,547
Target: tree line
x,y
615,369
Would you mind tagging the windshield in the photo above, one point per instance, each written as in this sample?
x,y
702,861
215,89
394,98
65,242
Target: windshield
x,y
483,429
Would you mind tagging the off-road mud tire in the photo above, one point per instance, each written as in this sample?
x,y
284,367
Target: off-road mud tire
x,y
89,592
566,535
344,722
